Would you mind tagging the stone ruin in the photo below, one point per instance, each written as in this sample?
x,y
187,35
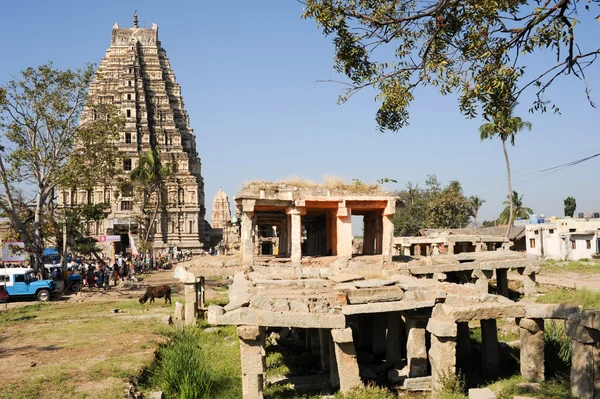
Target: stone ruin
x,y
377,317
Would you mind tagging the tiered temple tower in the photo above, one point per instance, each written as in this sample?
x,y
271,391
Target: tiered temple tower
x,y
221,211
135,75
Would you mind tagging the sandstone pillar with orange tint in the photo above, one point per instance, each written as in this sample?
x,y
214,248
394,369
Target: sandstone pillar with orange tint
x,y
296,233
247,244
388,228
344,231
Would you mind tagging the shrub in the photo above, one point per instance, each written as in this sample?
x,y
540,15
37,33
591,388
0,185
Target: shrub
x,y
557,350
368,392
182,371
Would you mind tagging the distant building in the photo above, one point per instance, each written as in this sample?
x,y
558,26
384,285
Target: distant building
x,y
564,239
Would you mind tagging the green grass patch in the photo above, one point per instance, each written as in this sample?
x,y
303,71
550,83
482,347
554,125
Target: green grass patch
x,y
554,389
367,392
580,297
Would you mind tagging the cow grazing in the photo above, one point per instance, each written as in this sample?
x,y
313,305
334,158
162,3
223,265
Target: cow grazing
x,y
157,292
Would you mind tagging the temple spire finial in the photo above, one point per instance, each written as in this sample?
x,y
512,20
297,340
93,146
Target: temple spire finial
x,y
135,19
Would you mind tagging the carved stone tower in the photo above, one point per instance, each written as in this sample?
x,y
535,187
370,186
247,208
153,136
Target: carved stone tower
x,y
135,75
221,212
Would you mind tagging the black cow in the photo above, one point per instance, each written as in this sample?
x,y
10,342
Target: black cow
x,y
157,292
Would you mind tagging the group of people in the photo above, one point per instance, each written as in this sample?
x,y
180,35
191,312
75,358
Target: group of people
x,y
101,274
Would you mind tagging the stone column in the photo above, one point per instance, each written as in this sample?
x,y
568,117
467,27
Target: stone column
x,y
502,281
344,232
379,331
477,246
252,353
393,351
442,354
296,234
529,287
387,238
247,244
345,356
582,370
324,346
417,249
532,349
334,377
416,350
191,303
450,248
483,279
489,347
463,344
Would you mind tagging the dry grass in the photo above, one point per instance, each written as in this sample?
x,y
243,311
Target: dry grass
x,y
334,184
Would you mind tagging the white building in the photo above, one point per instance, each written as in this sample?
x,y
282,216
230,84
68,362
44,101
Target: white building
x,y
564,239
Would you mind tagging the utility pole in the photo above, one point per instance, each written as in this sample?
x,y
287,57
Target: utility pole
x,y
64,246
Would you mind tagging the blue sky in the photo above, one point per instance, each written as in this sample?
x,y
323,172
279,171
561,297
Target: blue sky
x,y
248,72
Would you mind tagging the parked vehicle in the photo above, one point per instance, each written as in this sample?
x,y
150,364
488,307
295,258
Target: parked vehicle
x,y
21,283
74,281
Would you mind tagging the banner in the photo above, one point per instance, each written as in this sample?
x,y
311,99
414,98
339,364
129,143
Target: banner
x,y
10,255
107,238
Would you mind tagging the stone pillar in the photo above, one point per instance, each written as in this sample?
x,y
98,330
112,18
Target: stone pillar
x,y
532,349
191,303
483,279
344,232
247,244
406,250
379,331
334,377
252,353
489,347
502,281
416,350
582,370
387,239
529,287
417,249
463,344
477,246
450,248
393,351
442,356
324,348
345,356
296,234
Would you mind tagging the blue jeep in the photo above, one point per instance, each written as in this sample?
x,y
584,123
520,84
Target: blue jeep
x,y
21,283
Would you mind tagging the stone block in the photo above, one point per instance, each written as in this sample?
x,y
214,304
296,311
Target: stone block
x,y
442,328
532,349
178,317
342,335
417,384
365,295
590,319
582,334
530,325
298,306
256,317
347,366
260,302
345,277
481,393
156,395
238,292
484,311
550,311
281,305
383,307
582,370
442,357
248,333
374,283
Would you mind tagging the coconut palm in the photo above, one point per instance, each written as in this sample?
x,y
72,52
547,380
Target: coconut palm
x,y
150,174
505,126
518,210
476,203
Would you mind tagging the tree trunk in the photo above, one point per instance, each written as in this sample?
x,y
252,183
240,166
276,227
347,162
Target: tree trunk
x,y
153,220
510,191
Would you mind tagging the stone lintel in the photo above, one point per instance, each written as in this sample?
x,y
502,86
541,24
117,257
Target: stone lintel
x,y
590,319
442,328
368,295
483,311
342,336
550,311
382,307
256,317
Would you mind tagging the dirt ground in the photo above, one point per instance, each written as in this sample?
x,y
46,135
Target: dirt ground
x,y
567,280
78,347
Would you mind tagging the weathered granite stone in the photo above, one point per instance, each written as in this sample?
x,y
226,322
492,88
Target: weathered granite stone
x,y
417,384
258,317
345,356
442,357
248,333
281,305
342,336
532,349
374,283
442,328
582,370
484,311
382,307
298,306
365,295
550,311
238,292
416,348
260,302
345,277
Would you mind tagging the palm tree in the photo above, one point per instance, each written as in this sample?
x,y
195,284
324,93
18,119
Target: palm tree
x,y
505,126
518,210
150,174
476,203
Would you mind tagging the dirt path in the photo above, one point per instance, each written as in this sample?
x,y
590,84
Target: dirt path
x,y
567,279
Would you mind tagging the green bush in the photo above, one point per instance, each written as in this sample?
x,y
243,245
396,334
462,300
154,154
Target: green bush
x,y
580,297
557,350
182,370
